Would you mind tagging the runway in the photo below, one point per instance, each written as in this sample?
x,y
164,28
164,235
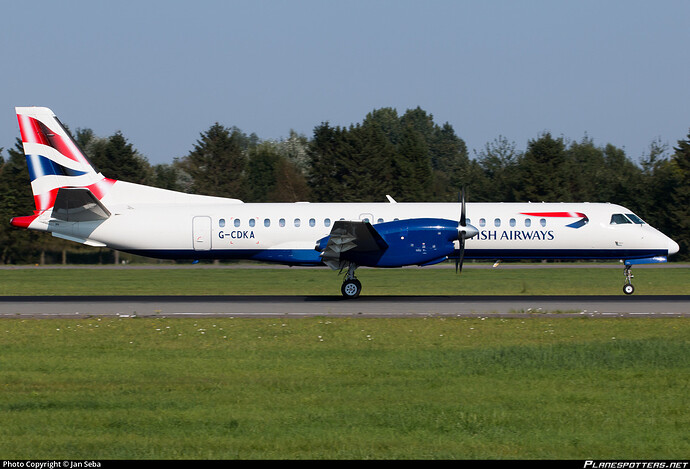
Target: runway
x,y
365,306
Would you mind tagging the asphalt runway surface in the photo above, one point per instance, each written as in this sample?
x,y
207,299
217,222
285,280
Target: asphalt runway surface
x,y
364,306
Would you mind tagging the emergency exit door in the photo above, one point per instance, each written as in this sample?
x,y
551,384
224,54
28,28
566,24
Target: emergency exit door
x,y
201,233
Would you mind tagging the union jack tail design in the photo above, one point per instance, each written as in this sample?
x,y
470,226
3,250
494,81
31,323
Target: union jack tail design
x,y
54,159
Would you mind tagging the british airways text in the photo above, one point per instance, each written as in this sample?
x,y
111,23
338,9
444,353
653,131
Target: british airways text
x,y
516,235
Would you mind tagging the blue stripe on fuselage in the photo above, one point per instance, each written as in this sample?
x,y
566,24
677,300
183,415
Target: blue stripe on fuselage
x,y
311,257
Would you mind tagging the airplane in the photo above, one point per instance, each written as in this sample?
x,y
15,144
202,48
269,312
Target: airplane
x,y
76,202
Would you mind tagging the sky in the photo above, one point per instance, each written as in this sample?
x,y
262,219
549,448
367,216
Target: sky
x,y
163,72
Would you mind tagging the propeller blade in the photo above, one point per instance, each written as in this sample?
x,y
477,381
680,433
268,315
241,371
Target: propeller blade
x,y
462,210
461,232
458,261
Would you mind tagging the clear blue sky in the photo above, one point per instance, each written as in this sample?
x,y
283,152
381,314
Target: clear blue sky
x,y
162,72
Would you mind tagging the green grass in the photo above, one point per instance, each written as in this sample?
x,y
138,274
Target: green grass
x,y
344,388
236,280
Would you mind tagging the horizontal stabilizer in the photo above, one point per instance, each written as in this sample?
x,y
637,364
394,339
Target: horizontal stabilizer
x,y
76,204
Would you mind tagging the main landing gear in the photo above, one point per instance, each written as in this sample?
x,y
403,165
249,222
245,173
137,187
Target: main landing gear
x,y
628,288
351,286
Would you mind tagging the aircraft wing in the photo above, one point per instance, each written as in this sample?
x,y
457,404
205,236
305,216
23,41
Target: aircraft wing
x,y
78,204
349,240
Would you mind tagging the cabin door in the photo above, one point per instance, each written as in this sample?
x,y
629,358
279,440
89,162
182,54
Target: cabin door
x,y
201,233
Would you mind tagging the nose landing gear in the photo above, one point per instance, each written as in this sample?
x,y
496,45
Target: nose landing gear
x,y
628,288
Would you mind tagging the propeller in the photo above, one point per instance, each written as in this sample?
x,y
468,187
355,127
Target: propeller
x,y
465,231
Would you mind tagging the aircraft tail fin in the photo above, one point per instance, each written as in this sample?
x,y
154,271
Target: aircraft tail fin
x,y
55,161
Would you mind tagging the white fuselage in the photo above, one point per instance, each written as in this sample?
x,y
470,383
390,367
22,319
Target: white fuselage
x,y
166,224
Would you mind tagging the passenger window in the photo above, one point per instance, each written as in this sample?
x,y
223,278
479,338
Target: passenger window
x,y
512,222
497,222
619,219
281,222
542,222
252,222
327,222
267,222
312,222
237,222
482,222
528,222
297,222
221,222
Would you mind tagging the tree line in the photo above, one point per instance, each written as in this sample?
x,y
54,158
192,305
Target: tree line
x,y
407,156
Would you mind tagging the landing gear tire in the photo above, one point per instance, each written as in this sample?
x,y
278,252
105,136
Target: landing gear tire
x,y
351,288
628,288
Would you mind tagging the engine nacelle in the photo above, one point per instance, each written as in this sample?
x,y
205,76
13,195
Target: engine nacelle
x,y
416,241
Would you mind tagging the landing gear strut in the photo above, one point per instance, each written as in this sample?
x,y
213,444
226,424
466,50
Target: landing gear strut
x,y
628,288
351,286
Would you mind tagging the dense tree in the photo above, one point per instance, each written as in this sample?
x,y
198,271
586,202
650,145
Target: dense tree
x,y
658,179
368,163
402,156
413,179
260,178
17,200
623,179
272,177
585,173
326,170
117,159
498,179
217,162
388,121
295,149
680,196
450,162
419,120
542,169
290,183
171,177
18,245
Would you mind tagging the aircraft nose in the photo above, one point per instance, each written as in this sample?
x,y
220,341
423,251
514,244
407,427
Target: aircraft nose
x,y
672,247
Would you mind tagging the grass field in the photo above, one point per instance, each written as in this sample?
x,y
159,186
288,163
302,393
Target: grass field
x,y
343,388
236,280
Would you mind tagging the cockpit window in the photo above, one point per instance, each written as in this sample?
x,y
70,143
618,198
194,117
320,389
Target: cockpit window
x,y
619,219
637,220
